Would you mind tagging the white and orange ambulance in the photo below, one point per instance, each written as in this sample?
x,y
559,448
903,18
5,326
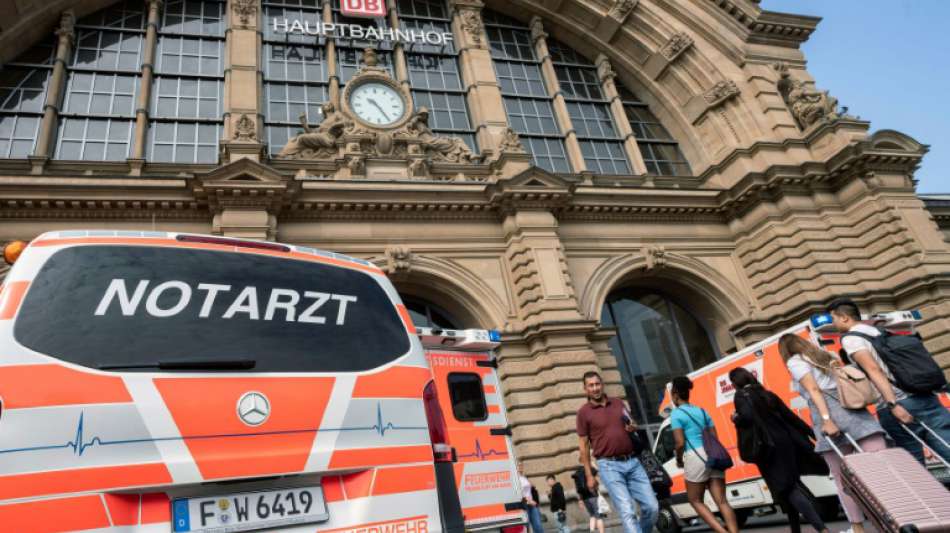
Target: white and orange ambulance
x,y
712,390
162,382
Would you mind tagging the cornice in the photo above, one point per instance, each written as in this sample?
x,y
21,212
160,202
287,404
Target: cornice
x,y
782,29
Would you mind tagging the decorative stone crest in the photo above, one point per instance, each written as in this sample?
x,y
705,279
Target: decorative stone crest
x,y
510,142
655,257
245,9
720,92
398,260
621,8
471,23
245,129
677,44
319,142
807,105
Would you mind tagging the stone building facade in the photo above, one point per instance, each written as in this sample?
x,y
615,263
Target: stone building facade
x,y
633,186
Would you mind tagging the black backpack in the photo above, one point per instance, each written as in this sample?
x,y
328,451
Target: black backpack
x,y
914,369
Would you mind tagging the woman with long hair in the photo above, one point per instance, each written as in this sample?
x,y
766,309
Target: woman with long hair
x,y
811,368
688,422
785,452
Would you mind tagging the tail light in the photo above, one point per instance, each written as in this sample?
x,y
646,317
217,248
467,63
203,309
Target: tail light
x,y
438,433
514,529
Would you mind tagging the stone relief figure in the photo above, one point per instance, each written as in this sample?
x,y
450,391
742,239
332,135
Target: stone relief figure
x,y
317,142
450,149
807,105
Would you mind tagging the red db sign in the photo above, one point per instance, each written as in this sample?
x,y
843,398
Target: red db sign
x,y
363,8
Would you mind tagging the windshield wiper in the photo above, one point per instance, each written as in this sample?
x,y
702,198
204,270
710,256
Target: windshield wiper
x,y
189,364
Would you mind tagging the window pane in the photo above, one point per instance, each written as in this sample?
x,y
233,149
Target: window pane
x,y
468,397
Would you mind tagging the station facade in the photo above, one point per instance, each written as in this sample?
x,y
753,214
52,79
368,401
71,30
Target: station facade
x,y
636,187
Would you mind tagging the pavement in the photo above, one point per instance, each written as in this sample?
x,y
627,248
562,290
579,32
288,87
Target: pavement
x,y
774,523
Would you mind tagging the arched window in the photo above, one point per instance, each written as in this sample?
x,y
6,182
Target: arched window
x,y
427,315
660,151
657,339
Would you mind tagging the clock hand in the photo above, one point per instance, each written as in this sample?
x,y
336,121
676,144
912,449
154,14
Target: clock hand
x,y
370,100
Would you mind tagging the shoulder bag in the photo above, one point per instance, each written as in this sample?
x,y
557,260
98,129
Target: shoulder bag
x,y
717,458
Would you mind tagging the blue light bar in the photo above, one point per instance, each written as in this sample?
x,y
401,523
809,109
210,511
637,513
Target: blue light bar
x,y
916,314
820,320
494,335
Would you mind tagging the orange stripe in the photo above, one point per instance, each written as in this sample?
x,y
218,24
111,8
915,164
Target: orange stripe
x,y
82,479
357,485
207,246
363,527
489,389
61,386
406,318
380,456
52,516
332,489
395,382
494,409
11,296
404,479
156,508
484,511
123,508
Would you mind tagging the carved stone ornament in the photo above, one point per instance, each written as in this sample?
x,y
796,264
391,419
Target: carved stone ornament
x,y
537,29
655,257
511,142
677,44
398,260
720,92
605,71
621,8
418,168
245,129
807,105
67,26
245,9
472,25
320,142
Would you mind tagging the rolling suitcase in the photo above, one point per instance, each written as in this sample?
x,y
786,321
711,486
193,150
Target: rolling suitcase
x,y
896,492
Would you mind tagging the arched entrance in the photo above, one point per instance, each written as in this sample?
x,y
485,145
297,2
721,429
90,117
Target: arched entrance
x,y
658,337
426,314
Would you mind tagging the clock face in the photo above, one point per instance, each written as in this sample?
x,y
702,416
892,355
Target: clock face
x,y
377,103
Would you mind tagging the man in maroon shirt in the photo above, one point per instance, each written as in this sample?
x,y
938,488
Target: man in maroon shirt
x,y
604,426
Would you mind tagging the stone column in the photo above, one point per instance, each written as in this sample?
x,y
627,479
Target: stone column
x,y
145,90
66,34
560,105
483,95
332,79
242,84
606,74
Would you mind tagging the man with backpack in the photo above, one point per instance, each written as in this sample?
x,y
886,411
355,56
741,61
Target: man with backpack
x,y
905,374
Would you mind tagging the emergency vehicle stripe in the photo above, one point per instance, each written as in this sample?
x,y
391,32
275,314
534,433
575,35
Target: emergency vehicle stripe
x,y
494,409
358,484
365,527
82,479
494,510
61,386
406,318
390,455
123,508
11,297
404,479
332,489
489,389
51,516
395,382
207,246
156,508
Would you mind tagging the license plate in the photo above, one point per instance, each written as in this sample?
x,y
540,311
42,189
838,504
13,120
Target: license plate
x,y
247,511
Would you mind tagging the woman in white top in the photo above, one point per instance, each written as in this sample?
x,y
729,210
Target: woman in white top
x,y
810,368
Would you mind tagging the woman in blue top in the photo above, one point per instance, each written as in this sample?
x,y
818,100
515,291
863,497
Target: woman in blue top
x,y
688,422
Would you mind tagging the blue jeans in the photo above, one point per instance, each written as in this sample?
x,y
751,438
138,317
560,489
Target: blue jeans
x,y
927,409
627,482
534,518
562,527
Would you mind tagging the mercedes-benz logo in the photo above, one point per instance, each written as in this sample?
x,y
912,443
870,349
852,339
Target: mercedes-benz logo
x,y
253,408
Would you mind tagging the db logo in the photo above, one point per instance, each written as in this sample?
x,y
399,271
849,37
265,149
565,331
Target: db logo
x,y
363,8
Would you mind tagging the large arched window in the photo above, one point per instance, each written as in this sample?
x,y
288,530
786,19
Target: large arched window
x,y
428,315
657,339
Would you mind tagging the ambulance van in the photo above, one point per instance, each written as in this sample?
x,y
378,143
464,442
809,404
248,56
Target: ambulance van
x,y
163,382
712,390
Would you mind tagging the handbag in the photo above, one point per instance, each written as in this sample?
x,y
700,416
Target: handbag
x,y
855,390
717,458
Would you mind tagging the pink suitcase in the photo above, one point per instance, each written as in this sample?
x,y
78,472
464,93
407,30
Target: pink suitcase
x,y
897,493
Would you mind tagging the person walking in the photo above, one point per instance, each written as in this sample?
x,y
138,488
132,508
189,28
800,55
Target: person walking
x,y
587,499
529,496
785,451
806,363
688,422
604,426
897,406
558,504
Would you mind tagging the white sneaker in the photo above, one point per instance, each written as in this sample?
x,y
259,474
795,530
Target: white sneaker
x,y
849,530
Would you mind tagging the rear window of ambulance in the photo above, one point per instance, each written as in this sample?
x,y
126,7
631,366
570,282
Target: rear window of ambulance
x,y
128,306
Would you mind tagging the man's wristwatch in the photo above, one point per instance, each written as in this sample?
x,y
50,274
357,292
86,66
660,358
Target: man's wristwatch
x,y
890,405
825,417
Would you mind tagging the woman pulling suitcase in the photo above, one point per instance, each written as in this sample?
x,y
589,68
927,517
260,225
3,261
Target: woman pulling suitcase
x,y
779,443
807,364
